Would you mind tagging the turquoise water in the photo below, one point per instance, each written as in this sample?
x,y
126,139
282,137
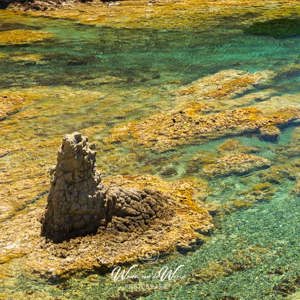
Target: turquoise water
x,y
256,250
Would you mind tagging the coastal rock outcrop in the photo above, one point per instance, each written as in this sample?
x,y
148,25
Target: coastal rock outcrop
x,y
78,203
97,223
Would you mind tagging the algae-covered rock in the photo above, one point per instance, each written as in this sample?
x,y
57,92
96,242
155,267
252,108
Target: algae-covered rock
x,y
23,36
194,14
269,133
293,150
205,111
3,55
234,145
222,85
128,217
277,174
165,131
236,164
78,202
19,57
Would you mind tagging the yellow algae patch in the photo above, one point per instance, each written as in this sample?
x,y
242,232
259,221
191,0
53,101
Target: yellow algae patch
x,y
3,55
21,36
27,57
9,256
12,101
9,105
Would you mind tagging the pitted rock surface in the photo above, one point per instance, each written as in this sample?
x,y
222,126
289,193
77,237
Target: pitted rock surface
x,y
75,202
78,203
132,209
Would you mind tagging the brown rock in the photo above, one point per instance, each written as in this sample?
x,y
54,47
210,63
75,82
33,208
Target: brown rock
x,y
76,201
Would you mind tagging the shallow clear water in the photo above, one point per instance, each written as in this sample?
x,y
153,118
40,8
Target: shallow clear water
x,y
257,248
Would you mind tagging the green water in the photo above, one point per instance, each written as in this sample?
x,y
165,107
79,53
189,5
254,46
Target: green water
x,y
151,64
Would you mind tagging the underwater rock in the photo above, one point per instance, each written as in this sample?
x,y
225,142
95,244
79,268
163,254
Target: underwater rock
x,y
168,171
205,111
269,133
165,131
277,174
236,164
277,28
233,145
223,85
225,90
103,80
198,160
293,150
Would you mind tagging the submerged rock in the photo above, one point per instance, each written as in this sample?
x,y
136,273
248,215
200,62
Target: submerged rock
x,y
163,132
269,133
234,145
205,112
297,188
277,28
237,163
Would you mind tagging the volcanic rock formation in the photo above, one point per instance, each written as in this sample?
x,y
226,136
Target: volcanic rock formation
x,y
78,203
